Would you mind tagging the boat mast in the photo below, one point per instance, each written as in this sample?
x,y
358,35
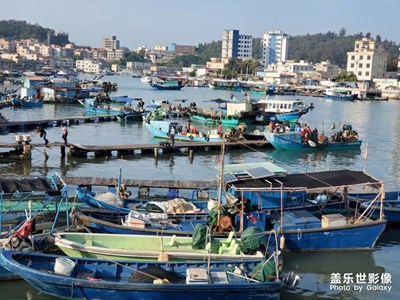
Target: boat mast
x,y
221,181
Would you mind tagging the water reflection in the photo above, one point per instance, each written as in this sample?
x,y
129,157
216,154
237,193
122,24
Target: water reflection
x,y
315,270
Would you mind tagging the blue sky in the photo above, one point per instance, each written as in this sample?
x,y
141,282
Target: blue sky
x,y
188,22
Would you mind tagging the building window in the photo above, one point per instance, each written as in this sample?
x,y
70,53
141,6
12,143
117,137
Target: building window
x,y
367,73
359,73
353,57
369,57
361,57
360,65
368,65
352,65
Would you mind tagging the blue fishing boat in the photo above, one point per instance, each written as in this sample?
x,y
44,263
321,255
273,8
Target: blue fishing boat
x,y
28,207
390,204
306,139
25,102
104,221
339,94
171,85
100,279
174,131
294,202
121,107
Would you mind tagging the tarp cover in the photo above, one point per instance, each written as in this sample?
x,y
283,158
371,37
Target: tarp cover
x,y
251,240
9,186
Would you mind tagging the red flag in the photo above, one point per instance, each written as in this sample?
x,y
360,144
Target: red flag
x,y
366,151
252,219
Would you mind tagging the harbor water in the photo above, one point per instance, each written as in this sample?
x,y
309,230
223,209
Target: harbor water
x,y
376,122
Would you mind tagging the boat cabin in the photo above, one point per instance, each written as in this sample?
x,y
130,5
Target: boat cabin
x,y
281,106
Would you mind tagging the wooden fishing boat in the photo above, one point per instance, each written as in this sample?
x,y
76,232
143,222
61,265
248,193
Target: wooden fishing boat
x,y
104,221
26,102
100,279
167,130
142,247
29,207
295,140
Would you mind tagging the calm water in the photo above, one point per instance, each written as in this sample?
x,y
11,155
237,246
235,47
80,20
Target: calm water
x,y
376,123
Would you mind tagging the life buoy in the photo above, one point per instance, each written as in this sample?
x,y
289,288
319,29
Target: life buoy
x,y
191,137
207,138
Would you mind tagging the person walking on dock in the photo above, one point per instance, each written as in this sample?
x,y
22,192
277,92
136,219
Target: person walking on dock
x,y
42,133
64,133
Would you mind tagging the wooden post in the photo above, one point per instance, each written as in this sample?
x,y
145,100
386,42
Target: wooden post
x,y
191,154
62,148
27,152
156,152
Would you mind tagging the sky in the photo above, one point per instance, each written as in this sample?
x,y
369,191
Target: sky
x,y
188,22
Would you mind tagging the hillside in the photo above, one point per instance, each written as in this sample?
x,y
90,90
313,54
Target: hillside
x,y
17,30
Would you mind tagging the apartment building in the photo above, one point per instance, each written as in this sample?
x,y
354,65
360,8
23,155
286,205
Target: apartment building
x,y
111,43
235,45
274,47
368,60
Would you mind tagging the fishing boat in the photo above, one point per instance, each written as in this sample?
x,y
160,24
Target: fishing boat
x,y
100,279
306,139
291,200
170,85
122,202
116,106
228,113
339,94
174,131
279,110
390,208
25,102
200,246
29,207
104,221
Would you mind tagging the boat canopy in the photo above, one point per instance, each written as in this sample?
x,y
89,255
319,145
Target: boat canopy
x,y
308,181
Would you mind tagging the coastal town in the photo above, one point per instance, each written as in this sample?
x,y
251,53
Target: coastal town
x,y
126,175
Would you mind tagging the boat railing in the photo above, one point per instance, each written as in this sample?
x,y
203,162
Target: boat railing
x,y
371,207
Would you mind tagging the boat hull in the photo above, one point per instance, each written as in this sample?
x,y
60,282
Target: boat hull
x,y
98,279
351,237
292,141
179,137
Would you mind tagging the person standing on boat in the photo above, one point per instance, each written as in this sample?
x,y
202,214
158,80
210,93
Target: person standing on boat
x,y
172,135
42,133
64,133
219,129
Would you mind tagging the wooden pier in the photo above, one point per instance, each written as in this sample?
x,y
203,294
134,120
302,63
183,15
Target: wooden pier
x,y
24,150
169,184
33,124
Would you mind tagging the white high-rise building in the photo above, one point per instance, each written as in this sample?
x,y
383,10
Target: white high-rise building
x,y
368,60
274,48
235,45
111,43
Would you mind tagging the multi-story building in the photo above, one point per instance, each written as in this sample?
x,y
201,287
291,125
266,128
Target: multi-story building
x,y
368,60
111,43
235,45
88,66
182,49
58,39
274,47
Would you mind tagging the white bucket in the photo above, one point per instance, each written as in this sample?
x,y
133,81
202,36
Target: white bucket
x,y
18,138
64,266
26,138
